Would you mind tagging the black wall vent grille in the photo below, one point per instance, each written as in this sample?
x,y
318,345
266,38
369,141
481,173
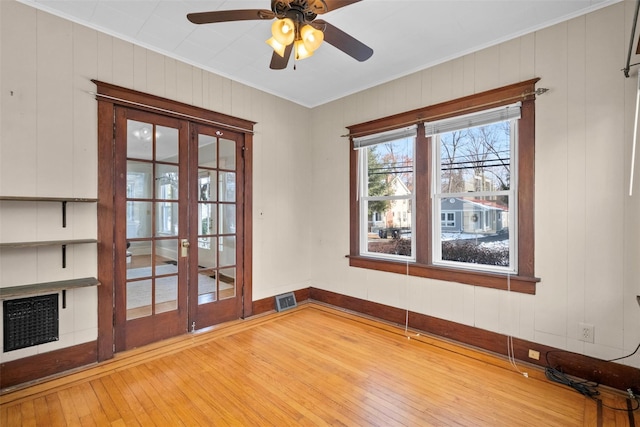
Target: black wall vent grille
x,y
30,321
285,301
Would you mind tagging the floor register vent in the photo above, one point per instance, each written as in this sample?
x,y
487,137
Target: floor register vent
x,y
30,321
285,301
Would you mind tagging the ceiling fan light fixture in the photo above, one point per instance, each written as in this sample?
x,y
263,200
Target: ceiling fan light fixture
x,y
284,31
278,47
311,37
301,51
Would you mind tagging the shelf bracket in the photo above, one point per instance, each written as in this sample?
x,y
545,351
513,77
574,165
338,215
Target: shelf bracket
x,y
64,214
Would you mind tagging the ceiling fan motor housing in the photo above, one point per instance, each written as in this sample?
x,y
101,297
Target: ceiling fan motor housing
x,y
301,11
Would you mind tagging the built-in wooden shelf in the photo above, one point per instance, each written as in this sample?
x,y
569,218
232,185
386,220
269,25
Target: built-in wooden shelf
x,y
46,243
37,288
63,244
63,200
47,199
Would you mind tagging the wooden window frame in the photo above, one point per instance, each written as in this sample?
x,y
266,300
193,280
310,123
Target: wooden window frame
x,y
524,281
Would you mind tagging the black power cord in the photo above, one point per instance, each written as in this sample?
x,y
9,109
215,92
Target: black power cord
x,y
584,387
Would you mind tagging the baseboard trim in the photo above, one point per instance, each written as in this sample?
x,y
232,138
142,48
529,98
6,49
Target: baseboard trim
x,y
45,364
610,374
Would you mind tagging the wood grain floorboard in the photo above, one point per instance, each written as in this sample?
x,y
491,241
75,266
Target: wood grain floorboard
x,y
309,366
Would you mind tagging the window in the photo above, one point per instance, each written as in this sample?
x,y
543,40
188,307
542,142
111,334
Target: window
x,y
450,196
473,167
386,193
448,219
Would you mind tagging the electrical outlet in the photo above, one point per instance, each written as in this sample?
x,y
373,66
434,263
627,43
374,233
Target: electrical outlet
x,y
585,333
534,354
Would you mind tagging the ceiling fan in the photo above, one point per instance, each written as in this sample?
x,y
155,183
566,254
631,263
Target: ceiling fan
x,y
295,29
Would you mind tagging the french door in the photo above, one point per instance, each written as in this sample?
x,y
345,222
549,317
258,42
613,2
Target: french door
x,y
178,226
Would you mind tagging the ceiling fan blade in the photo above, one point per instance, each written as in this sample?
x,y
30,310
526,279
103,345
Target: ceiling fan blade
x,y
278,62
337,4
343,41
229,15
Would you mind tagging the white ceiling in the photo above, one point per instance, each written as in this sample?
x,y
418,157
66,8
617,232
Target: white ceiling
x,y
405,35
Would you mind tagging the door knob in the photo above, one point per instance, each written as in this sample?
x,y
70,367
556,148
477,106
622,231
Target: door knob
x,y
184,244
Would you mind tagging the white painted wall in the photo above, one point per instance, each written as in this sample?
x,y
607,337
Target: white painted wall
x,y
48,147
587,227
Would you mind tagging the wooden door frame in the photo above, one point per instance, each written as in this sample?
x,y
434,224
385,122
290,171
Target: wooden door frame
x,y
108,96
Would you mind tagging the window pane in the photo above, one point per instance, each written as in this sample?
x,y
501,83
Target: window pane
x,y
166,294
389,227
390,168
207,151
227,185
207,190
139,179
227,154
166,219
138,219
138,299
227,251
227,283
227,219
476,231
166,259
139,140
206,218
476,159
139,259
166,144
166,182
207,273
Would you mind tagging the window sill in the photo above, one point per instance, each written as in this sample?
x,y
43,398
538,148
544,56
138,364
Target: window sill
x,y
522,284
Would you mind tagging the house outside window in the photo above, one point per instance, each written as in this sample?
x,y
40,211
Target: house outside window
x,y
459,205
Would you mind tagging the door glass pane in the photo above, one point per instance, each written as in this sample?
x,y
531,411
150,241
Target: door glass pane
x,y
166,219
139,140
166,181
227,219
227,154
206,218
139,180
227,183
138,299
207,151
227,250
166,260
207,191
227,283
166,144
138,259
138,219
207,286
166,294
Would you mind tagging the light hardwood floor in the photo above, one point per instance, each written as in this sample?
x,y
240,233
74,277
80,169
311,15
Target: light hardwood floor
x,y
314,366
